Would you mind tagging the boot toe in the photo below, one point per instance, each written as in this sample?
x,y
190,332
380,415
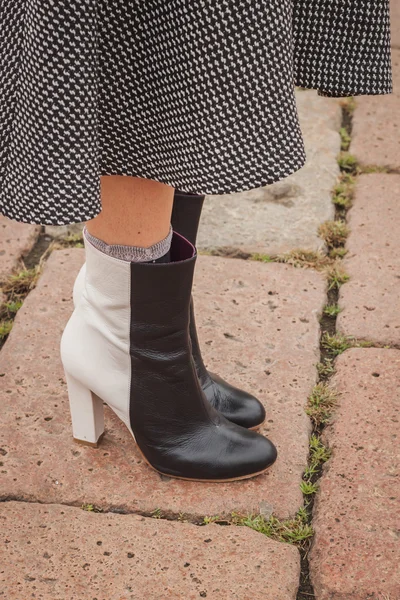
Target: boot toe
x,y
236,405
261,455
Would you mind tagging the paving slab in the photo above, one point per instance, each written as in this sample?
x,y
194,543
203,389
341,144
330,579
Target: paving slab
x,y
60,231
56,552
371,299
285,215
16,240
376,126
356,551
259,328
395,22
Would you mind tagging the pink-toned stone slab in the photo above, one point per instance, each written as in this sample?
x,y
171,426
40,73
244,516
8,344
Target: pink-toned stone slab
x,y
356,551
371,299
376,126
16,240
259,328
395,22
56,552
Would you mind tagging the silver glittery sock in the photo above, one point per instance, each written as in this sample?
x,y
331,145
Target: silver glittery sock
x,y
132,253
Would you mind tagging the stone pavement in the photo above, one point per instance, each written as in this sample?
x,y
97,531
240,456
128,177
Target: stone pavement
x,y
286,215
16,240
259,323
357,514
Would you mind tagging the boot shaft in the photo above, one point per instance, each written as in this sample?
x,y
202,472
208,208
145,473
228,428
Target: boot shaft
x,y
186,215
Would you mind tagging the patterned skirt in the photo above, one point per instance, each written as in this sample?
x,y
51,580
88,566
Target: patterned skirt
x,y
196,94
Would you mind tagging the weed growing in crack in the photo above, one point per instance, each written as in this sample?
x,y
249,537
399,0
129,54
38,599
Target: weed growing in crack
x,y
91,508
265,258
332,310
343,192
336,275
292,531
345,138
5,328
208,520
325,368
308,488
319,454
337,343
15,287
337,253
304,258
321,403
20,283
334,233
347,162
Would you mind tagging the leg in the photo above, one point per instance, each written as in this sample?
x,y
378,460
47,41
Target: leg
x,y
135,212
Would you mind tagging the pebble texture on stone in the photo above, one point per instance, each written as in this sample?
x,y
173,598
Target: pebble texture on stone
x,y
259,328
356,551
287,214
375,137
16,240
371,299
56,552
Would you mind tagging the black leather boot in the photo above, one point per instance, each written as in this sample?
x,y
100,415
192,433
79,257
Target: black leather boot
x,y
127,344
236,405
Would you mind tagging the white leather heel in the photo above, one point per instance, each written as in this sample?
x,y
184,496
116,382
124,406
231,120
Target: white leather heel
x,y
87,413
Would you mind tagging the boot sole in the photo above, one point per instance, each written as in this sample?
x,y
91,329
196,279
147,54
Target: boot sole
x,y
97,444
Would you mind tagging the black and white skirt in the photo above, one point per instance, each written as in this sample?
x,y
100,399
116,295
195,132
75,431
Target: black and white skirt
x,y
196,94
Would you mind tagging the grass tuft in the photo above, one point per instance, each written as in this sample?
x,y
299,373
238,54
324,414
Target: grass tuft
x,y
321,403
338,343
347,162
332,310
5,328
265,258
16,286
345,138
91,508
304,258
336,275
319,454
12,307
208,520
326,368
21,283
343,192
337,253
334,233
308,488
291,531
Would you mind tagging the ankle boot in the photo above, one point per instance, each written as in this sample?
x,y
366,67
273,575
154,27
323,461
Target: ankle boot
x,y
236,405
127,344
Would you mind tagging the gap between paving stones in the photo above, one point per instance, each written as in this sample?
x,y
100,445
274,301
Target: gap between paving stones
x,y
329,331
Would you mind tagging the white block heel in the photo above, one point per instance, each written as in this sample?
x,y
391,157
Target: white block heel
x,y
87,413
